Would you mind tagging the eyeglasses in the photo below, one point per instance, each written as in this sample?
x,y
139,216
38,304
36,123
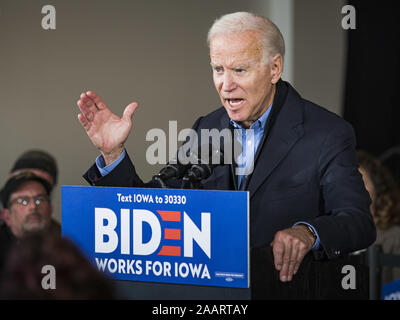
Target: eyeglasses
x,y
24,201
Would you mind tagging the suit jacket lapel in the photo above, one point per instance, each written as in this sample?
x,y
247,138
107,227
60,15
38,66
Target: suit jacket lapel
x,y
284,134
228,179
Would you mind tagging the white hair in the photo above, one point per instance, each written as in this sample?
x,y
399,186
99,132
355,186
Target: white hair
x,y
238,22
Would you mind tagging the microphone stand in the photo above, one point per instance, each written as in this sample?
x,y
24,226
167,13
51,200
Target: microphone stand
x,y
191,175
191,180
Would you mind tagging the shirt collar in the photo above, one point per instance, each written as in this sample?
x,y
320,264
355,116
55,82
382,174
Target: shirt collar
x,y
258,124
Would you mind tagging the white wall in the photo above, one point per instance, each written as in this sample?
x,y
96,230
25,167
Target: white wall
x,y
320,52
153,52
281,12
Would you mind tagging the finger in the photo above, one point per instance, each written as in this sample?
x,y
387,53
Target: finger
x,y
129,110
89,103
86,111
300,256
286,260
293,260
278,249
84,122
97,100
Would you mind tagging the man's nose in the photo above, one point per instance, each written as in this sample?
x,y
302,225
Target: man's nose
x,y
31,205
229,83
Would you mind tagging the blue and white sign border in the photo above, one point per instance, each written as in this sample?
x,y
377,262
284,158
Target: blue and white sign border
x,y
225,263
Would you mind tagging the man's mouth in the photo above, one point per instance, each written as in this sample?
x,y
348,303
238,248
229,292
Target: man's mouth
x,y
234,102
33,217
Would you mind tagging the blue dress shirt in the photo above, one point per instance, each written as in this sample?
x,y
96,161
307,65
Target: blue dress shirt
x,y
249,139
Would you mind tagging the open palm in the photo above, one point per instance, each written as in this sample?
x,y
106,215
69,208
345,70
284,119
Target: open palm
x,y
107,131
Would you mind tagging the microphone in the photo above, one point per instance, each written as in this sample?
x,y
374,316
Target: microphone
x,y
171,170
194,171
203,168
176,168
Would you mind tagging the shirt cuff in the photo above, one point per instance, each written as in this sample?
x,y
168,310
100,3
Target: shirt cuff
x,y
104,170
316,245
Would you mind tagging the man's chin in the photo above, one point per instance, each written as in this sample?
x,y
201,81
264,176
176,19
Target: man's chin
x,y
236,116
33,227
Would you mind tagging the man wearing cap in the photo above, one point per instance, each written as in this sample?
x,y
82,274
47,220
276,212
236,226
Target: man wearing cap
x,y
40,163
27,209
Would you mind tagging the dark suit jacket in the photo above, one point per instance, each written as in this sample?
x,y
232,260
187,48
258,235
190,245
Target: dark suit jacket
x,y
7,240
305,170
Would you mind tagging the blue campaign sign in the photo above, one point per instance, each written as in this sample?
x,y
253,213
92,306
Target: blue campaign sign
x,y
391,290
177,236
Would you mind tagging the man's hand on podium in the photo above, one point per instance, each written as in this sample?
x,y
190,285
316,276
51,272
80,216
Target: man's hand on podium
x,y
289,248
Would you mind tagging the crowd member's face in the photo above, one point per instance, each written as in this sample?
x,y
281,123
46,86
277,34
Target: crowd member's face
x,y
32,217
369,186
246,85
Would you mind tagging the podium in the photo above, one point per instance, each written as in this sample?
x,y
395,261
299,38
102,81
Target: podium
x,y
191,245
315,280
346,278
171,236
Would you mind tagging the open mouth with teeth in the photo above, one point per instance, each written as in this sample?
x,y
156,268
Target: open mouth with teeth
x,y
234,103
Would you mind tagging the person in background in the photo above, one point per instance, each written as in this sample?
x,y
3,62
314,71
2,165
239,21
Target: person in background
x,y
385,196
67,273
40,163
26,198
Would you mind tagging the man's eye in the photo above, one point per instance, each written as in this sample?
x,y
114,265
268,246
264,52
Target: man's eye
x,y
22,201
239,70
218,69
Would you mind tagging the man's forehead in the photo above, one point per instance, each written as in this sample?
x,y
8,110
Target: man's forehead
x,y
233,62
240,48
28,188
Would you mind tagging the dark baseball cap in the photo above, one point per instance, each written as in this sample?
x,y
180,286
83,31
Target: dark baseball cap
x,y
37,159
16,181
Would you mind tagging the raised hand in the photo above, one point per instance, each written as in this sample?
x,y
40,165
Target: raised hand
x,y
107,131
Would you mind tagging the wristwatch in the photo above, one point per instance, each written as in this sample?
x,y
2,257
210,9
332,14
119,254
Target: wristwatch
x,y
310,231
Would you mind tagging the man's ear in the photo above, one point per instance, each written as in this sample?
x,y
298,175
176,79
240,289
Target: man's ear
x,y
276,65
5,215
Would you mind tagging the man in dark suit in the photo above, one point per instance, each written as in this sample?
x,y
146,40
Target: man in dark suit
x,y
305,189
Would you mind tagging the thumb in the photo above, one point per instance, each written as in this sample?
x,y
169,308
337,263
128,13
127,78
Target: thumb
x,y
129,110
